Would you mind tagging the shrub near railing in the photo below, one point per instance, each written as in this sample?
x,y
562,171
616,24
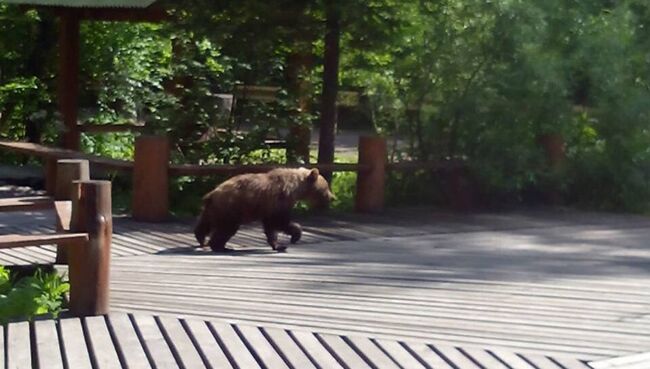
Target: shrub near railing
x,y
29,296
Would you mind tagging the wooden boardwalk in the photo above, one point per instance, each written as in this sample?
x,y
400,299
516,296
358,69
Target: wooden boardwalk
x,y
568,285
140,341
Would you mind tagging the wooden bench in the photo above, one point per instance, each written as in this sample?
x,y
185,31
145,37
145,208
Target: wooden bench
x,y
30,203
51,155
84,232
10,241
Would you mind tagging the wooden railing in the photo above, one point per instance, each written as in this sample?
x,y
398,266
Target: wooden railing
x,y
83,221
151,170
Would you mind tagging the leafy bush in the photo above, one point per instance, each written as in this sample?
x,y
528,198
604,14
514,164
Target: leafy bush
x,y
472,79
42,293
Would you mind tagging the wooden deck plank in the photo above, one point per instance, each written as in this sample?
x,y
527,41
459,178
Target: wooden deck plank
x,y
573,363
448,335
264,351
103,352
428,356
541,362
234,345
315,349
452,354
155,344
483,358
343,352
74,344
180,343
404,358
371,353
290,350
127,343
512,359
635,361
519,280
207,344
339,274
30,203
116,341
29,255
48,352
354,317
19,354
449,311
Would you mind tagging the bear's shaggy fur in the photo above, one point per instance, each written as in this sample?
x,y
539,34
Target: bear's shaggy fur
x,y
269,197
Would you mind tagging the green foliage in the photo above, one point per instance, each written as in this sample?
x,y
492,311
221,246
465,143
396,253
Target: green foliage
x,y
27,107
42,293
474,80
482,81
344,187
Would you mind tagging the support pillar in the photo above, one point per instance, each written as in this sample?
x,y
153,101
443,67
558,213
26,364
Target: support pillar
x,y
151,179
68,171
49,173
371,182
89,262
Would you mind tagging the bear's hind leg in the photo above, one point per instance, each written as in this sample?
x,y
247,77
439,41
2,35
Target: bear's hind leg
x,y
221,236
271,233
202,229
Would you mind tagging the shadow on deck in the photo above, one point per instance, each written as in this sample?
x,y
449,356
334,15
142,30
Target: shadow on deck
x,y
552,282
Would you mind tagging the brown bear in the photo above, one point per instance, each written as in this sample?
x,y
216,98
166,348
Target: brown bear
x,y
269,197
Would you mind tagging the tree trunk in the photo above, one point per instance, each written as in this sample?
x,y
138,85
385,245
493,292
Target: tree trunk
x,y
330,86
68,78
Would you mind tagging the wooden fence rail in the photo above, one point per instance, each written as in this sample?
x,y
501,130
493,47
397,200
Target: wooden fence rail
x,y
151,171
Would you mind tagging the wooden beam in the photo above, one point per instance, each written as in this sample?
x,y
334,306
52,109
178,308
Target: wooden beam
x,y
151,14
103,128
18,240
26,203
227,169
405,166
54,153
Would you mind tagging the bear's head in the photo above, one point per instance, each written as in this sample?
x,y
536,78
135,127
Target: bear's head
x,y
316,191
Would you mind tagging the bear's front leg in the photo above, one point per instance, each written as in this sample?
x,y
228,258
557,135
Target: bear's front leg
x,y
294,230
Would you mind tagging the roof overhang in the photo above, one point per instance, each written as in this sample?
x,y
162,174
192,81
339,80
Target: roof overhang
x,y
85,3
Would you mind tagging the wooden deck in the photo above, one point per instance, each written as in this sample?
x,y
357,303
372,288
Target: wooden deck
x,y
140,341
568,285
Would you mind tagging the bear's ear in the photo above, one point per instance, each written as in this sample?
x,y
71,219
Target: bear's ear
x,y
313,175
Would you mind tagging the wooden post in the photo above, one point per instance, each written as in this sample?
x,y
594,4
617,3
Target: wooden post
x,y
370,183
89,263
68,78
298,144
150,179
49,172
331,56
68,171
